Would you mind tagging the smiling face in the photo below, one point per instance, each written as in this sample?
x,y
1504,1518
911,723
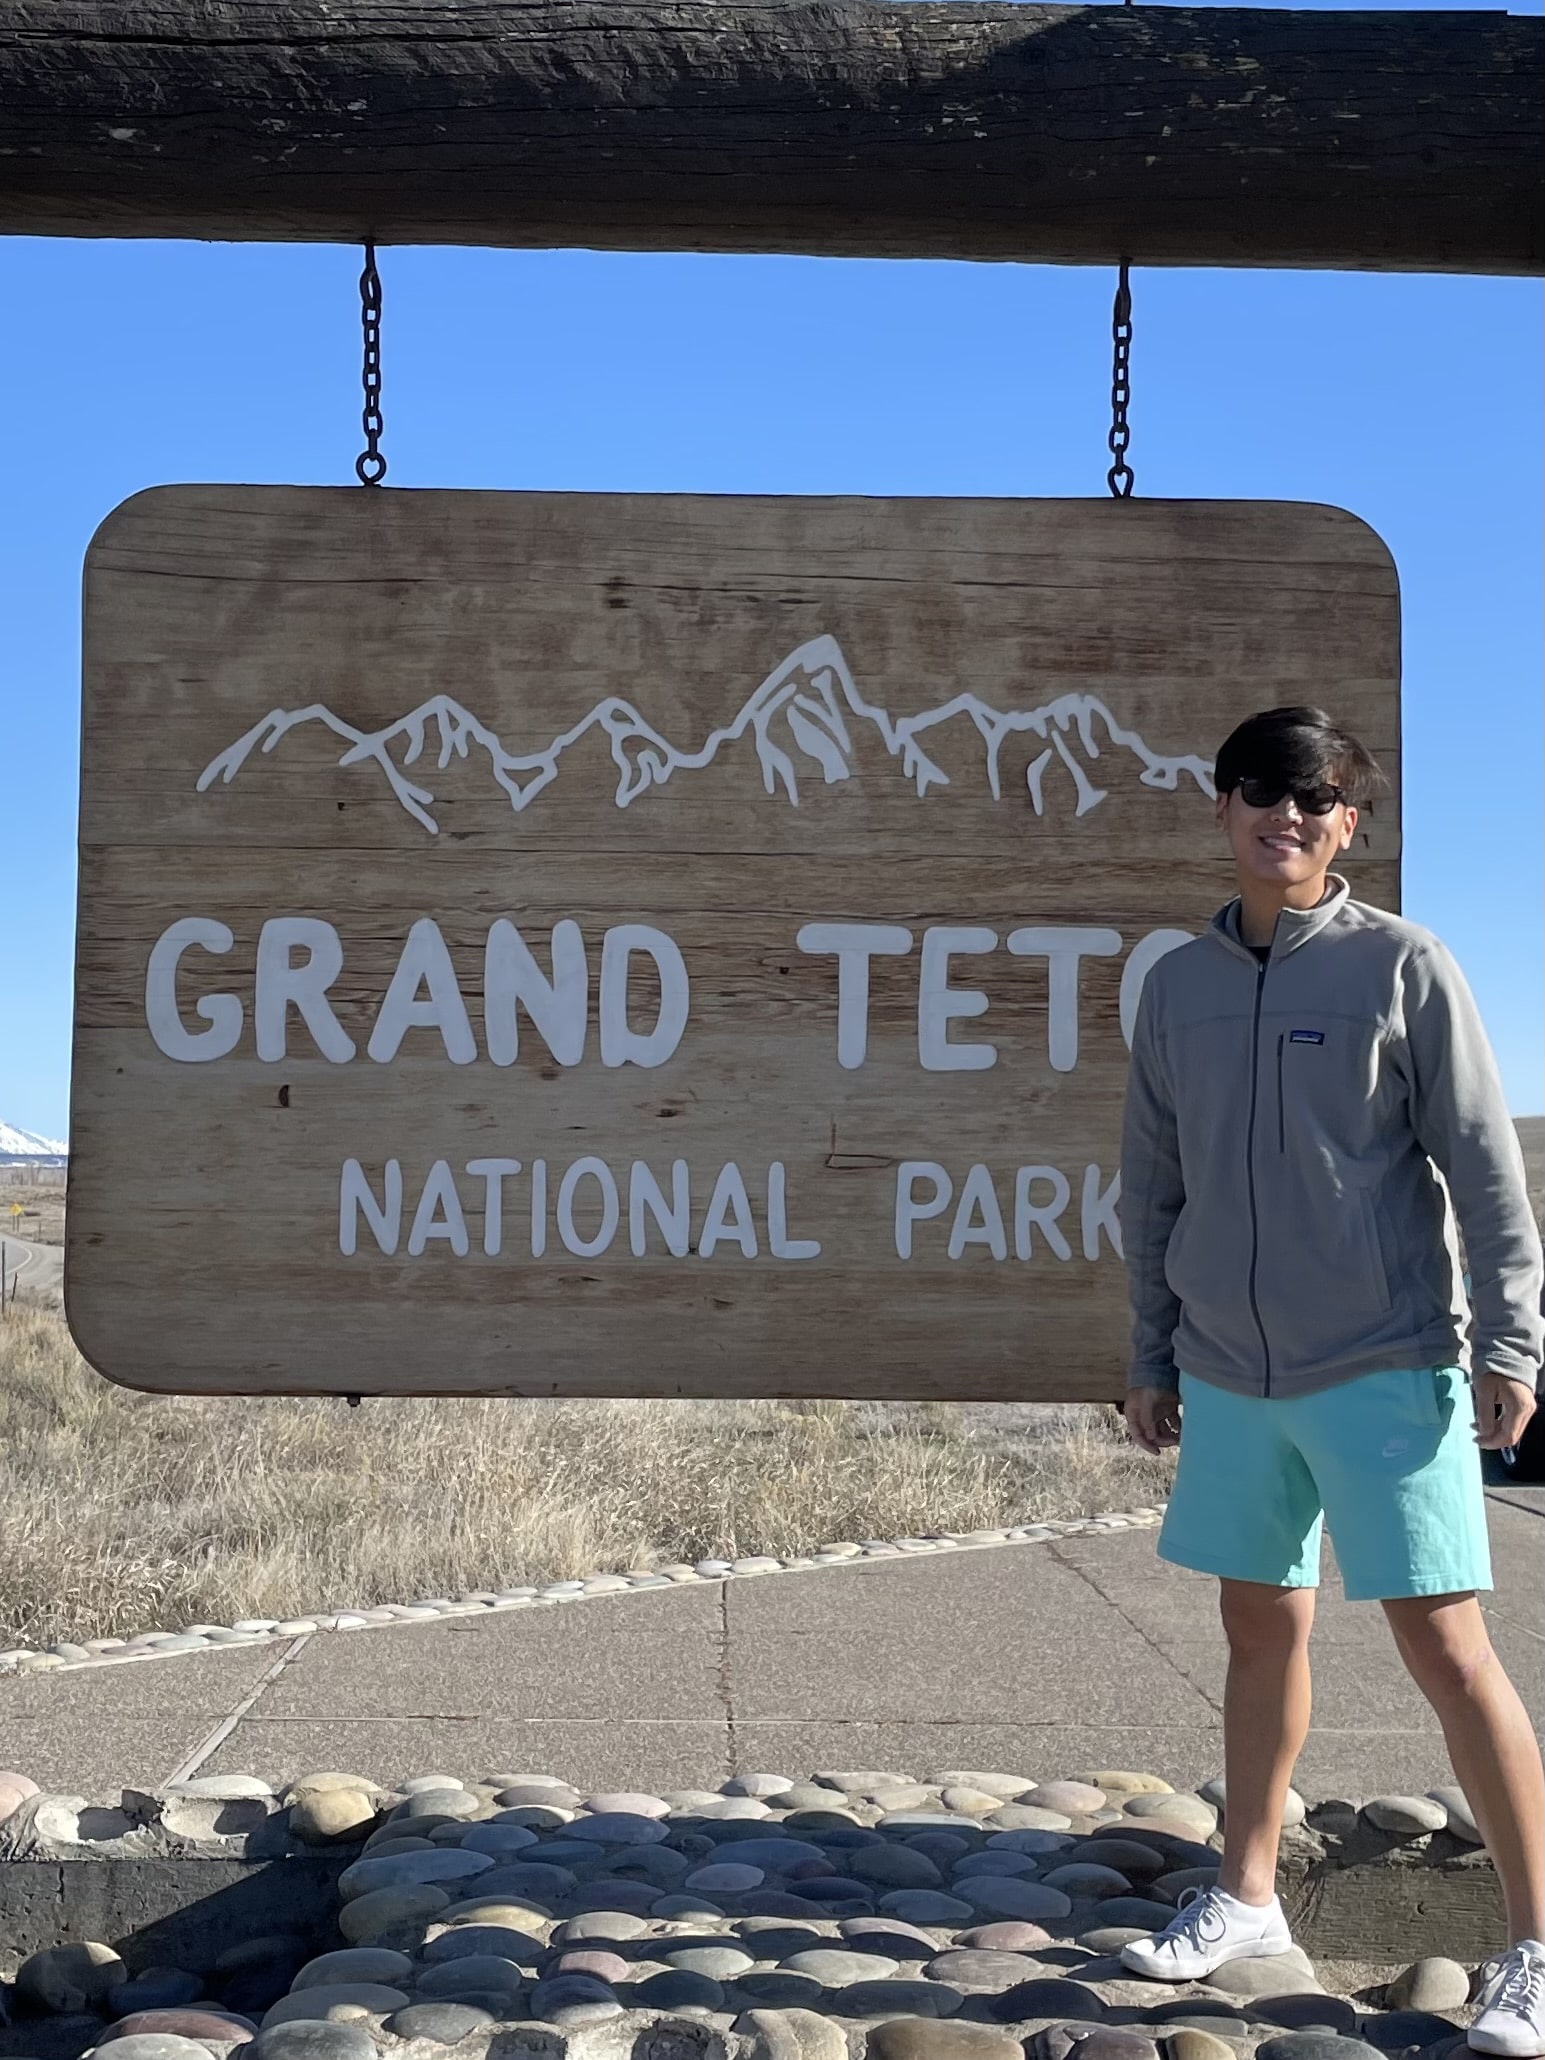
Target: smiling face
x,y
1283,846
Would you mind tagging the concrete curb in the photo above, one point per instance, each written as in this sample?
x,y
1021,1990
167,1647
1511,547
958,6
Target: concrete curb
x,y
97,1652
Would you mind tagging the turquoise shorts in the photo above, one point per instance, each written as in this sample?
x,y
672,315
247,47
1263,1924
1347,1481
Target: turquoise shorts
x,y
1388,1460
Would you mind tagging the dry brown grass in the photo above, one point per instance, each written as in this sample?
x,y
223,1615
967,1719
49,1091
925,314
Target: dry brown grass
x,y
122,1512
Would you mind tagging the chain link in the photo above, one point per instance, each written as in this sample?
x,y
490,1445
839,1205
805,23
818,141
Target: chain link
x,y
370,465
1120,478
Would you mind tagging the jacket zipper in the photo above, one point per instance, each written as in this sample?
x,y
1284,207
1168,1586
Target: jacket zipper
x,y
1281,1109
1255,1228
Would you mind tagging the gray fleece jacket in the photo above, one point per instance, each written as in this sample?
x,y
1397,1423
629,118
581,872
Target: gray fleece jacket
x,y
1282,1214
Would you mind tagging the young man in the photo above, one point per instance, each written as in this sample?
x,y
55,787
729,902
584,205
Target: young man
x,y
1298,1073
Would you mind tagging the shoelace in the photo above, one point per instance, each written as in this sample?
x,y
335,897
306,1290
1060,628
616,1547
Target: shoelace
x,y
1520,1984
1200,1921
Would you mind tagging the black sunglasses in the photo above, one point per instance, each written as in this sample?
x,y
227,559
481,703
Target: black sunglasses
x,y
1318,800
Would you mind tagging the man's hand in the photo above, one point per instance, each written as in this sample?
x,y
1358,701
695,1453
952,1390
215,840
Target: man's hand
x,y
1153,1417
1502,1409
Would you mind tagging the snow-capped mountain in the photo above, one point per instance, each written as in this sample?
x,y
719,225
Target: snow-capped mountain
x,y
26,1147
797,720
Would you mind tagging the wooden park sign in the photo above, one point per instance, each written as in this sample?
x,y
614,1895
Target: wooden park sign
x,y
644,945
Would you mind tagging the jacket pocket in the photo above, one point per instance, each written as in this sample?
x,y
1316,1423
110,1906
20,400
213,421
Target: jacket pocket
x,y
1368,1230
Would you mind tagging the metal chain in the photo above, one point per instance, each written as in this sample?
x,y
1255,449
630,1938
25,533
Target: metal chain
x,y
370,465
1120,478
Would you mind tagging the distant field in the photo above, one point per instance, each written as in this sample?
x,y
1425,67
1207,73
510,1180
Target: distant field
x,y
43,1221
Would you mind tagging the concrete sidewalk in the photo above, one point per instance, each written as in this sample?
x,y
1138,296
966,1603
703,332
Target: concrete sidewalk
x,y
1037,1658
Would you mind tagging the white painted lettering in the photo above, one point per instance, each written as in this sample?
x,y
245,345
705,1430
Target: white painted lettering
x,y
538,1207
674,1217
222,1012
978,1200
779,1243
425,961
598,1171
1042,1216
1063,947
282,985
854,945
1099,1212
938,1004
909,1209
438,1214
729,1215
512,979
493,1173
355,1195
620,1044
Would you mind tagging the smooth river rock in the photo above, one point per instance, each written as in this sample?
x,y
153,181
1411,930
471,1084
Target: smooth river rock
x,y
158,2045
1191,2042
1007,1936
605,1966
341,1999
1433,1984
980,1971
70,1978
1315,2045
921,2038
1216,1793
1073,1798
412,1870
490,1972
210,2023
465,1941
155,1988
443,2024
385,1909
990,1896
1046,1996
1408,1816
1283,1974
1308,2012
310,2041
355,1963
790,2035
331,1816
834,1968
1393,2031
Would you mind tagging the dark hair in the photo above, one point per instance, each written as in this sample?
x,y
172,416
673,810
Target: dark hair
x,y
1299,746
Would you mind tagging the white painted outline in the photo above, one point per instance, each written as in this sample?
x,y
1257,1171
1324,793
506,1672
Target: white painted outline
x,y
812,688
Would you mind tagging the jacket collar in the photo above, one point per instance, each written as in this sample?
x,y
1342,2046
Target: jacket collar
x,y
1295,926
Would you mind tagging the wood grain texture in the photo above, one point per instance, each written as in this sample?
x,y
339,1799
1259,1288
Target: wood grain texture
x,y
557,650
1172,135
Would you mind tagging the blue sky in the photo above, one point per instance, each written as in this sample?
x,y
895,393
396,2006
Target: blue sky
x,y
1412,401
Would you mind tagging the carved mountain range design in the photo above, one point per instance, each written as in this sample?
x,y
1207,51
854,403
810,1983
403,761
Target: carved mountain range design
x,y
800,721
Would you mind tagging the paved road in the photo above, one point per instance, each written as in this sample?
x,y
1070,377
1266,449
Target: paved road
x,y
38,1268
1041,1659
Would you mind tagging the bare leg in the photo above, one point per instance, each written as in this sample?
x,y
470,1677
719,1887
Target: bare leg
x,y
1444,1643
1265,1722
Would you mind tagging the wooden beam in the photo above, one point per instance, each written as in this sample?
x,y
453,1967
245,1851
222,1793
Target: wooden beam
x,y
1175,135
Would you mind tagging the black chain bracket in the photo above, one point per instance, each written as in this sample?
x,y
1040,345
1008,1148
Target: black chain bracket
x,y
370,465
1121,478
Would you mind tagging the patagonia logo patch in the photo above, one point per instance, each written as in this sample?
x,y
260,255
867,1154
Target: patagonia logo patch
x,y
1306,1037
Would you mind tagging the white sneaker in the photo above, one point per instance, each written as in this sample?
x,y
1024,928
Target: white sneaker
x,y
1211,1928
1512,2018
